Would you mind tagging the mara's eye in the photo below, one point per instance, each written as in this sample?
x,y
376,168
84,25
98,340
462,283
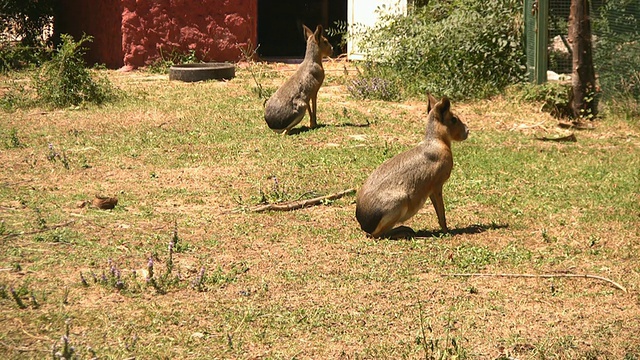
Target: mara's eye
x,y
454,120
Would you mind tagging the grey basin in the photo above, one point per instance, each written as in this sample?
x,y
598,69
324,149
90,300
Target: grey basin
x,y
203,71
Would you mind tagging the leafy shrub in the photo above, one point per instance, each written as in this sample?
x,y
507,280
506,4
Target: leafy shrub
x,y
556,97
60,82
462,48
17,56
65,81
616,29
162,64
24,38
27,19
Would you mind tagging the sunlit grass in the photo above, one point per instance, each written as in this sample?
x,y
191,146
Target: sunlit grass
x,y
308,283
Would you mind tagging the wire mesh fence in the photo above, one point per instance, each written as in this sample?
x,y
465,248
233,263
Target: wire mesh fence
x,y
559,49
616,43
530,25
616,28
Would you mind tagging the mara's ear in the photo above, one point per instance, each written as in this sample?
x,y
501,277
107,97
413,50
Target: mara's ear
x,y
307,31
431,102
318,33
443,105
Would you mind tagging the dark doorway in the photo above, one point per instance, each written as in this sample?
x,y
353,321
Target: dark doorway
x,y
280,22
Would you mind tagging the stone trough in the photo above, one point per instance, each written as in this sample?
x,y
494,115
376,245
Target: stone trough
x,y
202,71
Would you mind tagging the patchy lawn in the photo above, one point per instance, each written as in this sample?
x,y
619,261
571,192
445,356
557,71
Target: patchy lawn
x,y
187,161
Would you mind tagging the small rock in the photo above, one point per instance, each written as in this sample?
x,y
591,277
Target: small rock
x,y
104,202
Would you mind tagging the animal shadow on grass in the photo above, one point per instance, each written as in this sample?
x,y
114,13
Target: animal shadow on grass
x,y
303,129
405,232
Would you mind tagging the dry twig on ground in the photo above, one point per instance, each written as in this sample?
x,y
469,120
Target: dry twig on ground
x,y
52,227
568,138
294,205
546,276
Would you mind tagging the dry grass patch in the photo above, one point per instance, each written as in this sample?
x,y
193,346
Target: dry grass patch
x,y
308,283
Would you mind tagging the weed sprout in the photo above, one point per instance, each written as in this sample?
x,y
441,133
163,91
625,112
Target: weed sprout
x,y
83,280
17,298
150,269
175,237
67,351
34,302
198,282
54,156
170,259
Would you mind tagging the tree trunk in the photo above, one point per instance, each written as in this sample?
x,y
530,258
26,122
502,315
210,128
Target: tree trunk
x,y
584,103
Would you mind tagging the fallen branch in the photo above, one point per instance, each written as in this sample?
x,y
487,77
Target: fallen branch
x,y
294,205
38,113
52,227
21,348
568,138
525,126
546,276
579,125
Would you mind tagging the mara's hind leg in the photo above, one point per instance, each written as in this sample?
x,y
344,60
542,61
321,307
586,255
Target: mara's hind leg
x,y
300,109
294,123
313,122
390,220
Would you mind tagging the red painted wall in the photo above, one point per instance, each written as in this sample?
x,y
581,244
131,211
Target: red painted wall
x,y
101,19
135,33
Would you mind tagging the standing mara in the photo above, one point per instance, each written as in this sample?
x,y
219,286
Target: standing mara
x,y
299,94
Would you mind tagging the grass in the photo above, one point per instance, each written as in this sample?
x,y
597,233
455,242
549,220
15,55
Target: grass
x,y
309,283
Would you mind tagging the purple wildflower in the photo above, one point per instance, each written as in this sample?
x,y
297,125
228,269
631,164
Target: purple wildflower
x,y
83,280
150,269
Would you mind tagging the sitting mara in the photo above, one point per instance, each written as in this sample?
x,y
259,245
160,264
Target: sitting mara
x,y
399,187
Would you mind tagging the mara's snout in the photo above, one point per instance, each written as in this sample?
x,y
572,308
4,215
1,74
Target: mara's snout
x,y
465,133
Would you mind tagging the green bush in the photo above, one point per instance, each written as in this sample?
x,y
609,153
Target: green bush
x,y
24,39
17,56
65,81
166,60
60,82
461,48
555,97
27,18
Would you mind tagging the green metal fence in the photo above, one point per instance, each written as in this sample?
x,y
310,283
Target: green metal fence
x,y
536,39
616,42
